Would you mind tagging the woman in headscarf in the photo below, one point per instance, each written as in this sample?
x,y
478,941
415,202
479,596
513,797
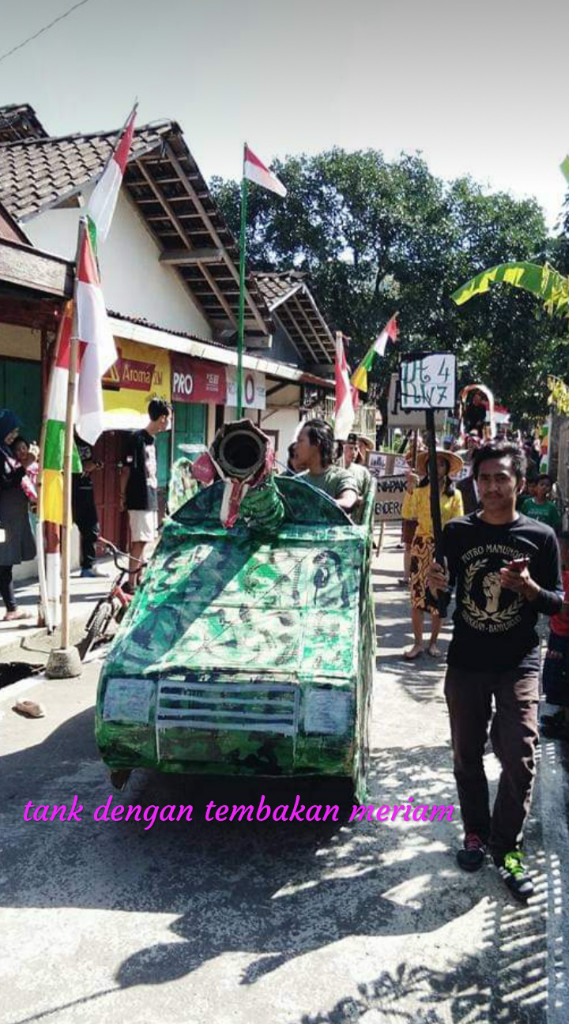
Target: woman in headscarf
x,y
423,547
16,538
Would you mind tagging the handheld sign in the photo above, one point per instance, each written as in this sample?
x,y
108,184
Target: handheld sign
x,y
386,464
409,419
428,382
389,494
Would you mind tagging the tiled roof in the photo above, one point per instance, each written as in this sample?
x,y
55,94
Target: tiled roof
x,y
172,196
41,172
291,302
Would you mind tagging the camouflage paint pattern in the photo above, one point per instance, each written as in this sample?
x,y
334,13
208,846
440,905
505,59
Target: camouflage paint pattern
x,y
244,652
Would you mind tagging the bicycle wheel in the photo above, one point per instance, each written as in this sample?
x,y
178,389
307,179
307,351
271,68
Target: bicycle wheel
x,y
97,625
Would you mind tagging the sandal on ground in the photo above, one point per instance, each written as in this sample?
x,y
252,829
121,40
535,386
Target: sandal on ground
x,y
29,709
17,615
434,651
413,653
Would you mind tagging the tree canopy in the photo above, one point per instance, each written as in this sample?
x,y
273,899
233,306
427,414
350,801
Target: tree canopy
x,y
374,237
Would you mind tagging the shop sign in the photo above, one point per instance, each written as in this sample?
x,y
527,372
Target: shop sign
x,y
196,380
254,389
141,372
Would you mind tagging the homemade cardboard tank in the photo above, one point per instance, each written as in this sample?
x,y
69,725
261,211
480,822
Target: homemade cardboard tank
x,y
247,650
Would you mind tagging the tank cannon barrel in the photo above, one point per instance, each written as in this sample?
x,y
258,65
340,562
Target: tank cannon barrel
x,y
243,456
240,450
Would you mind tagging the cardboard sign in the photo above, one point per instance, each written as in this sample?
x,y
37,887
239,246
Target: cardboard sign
x,y
386,464
428,382
409,419
389,494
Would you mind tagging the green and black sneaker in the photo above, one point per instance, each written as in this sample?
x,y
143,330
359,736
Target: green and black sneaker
x,y
515,876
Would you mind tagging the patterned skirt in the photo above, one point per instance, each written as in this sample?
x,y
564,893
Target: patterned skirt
x,y
422,554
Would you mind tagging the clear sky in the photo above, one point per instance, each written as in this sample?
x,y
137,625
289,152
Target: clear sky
x,y
479,88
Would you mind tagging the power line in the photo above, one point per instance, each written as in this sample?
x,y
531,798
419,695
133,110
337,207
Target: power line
x,y
42,30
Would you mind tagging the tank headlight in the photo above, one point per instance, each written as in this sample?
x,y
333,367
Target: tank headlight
x,y
328,712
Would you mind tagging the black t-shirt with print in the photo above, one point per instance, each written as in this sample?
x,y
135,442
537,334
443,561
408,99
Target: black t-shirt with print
x,y
495,628
142,485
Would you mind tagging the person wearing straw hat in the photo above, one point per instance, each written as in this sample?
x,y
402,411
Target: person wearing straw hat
x,y
365,446
422,547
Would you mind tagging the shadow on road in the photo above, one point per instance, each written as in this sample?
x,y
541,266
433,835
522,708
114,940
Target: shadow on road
x,y
277,890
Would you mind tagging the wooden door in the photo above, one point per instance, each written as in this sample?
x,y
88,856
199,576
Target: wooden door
x,y
106,484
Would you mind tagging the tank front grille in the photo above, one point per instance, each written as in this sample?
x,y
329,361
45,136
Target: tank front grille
x,y
251,707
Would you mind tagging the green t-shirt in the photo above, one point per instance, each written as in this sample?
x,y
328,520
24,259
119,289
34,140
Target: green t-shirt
x,y
546,513
361,475
333,481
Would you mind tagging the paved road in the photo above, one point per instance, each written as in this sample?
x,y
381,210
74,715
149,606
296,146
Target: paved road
x,y
321,923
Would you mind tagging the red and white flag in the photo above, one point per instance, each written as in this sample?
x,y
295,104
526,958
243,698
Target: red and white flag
x,y
96,342
104,198
344,417
389,332
255,170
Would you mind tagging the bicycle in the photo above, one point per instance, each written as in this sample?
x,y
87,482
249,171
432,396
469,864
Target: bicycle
x,y
111,607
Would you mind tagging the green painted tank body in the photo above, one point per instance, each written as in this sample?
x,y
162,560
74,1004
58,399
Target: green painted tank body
x,y
243,653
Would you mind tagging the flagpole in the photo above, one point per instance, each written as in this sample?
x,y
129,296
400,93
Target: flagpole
x,y
65,662
45,610
241,327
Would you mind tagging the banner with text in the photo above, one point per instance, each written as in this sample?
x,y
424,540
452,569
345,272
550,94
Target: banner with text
x,y
196,380
140,373
254,390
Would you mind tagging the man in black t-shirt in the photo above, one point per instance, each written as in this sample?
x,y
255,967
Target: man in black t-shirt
x,y
140,495
506,570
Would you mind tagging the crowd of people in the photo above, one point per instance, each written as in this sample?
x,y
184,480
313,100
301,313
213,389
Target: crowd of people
x,y
505,559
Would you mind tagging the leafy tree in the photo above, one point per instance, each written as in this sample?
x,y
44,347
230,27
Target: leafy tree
x,y
374,237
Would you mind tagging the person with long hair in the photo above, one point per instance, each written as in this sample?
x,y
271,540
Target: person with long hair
x,y
422,547
315,452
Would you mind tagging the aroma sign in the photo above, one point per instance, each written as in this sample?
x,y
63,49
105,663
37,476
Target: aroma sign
x,y
130,373
195,380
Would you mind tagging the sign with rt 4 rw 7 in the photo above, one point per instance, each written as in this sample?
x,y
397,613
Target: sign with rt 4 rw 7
x,y
428,381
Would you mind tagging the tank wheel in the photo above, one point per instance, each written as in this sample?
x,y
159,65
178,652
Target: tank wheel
x,y
119,778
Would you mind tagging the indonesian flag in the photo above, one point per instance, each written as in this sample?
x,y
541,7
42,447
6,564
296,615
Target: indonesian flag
x,y
104,199
390,331
96,342
255,170
51,492
96,354
344,417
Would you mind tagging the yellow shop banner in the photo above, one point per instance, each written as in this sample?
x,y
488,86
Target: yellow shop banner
x,y
141,372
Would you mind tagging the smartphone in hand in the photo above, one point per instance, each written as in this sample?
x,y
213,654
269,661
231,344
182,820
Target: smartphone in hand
x,y
518,564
